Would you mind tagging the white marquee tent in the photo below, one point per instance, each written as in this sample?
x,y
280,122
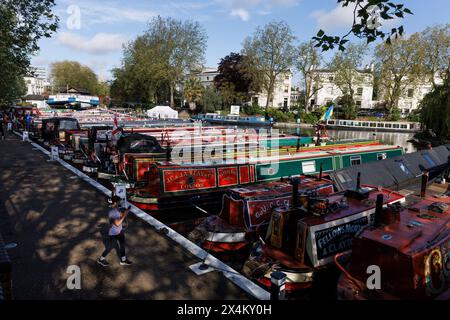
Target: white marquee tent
x,y
162,112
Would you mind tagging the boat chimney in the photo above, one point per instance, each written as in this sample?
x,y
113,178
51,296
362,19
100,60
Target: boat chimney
x,y
423,187
295,182
321,171
379,209
358,181
298,144
168,152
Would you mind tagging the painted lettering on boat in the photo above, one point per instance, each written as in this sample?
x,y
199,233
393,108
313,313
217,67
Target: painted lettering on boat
x,y
338,238
228,176
188,179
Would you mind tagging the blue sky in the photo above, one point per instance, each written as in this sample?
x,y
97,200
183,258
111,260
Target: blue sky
x,y
106,25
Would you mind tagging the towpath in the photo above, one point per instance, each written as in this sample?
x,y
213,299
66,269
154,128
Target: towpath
x,y
58,220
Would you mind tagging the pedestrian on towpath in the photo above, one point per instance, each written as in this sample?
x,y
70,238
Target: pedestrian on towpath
x,y
116,233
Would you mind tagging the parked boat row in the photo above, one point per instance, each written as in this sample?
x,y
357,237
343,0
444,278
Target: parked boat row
x,y
274,203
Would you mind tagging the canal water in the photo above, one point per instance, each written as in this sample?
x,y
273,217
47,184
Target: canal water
x,y
390,138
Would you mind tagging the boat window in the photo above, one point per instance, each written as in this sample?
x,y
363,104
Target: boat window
x,y
365,124
373,124
344,123
388,125
403,126
429,160
330,121
381,156
357,124
380,125
68,125
355,160
395,126
309,166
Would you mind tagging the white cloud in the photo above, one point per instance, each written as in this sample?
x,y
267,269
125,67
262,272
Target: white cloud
x,y
240,13
101,43
343,17
243,9
334,19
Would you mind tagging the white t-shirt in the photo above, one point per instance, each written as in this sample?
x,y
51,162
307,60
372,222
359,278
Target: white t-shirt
x,y
114,214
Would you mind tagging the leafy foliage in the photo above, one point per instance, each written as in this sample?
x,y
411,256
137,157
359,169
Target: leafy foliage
x,y
73,74
435,108
193,91
368,15
234,78
211,100
158,61
22,23
270,53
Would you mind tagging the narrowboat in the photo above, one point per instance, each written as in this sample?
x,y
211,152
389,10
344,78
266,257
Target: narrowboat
x,y
54,129
409,247
259,121
303,238
245,209
388,126
172,181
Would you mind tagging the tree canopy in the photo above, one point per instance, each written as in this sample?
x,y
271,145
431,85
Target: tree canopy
x,y
270,51
73,74
158,61
22,23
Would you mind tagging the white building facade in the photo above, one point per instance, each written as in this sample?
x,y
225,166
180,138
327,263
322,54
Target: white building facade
x,y
281,95
37,83
326,90
413,93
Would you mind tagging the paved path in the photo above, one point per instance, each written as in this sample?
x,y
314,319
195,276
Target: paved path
x,y
58,220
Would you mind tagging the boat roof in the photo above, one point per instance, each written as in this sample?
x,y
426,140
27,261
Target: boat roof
x,y
393,171
275,188
419,227
292,154
355,206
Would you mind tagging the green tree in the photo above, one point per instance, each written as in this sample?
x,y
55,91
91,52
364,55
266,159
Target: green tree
x,y
270,53
193,92
308,60
368,16
348,76
399,65
155,63
211,99
435,41
435,109
233,73
72,74
22,23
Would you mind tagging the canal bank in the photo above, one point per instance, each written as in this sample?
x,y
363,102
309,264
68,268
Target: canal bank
x,y
57,220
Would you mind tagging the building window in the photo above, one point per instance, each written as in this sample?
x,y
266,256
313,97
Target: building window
x,y
355,160
331,78
207,78
381,156
358,103
410,93
359,91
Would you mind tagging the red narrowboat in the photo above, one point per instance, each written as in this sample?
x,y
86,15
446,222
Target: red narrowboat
x,y
302,239
409,248
245,209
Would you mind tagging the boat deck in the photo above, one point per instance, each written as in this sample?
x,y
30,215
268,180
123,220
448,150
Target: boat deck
x,y
58,220
417,228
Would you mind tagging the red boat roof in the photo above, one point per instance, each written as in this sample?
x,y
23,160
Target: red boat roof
x,y
419,226
354,205
275,188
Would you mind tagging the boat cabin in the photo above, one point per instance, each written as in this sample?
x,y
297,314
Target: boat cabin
x,y
54,128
